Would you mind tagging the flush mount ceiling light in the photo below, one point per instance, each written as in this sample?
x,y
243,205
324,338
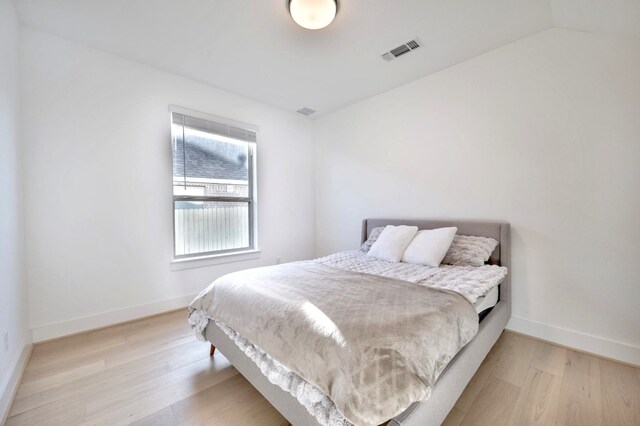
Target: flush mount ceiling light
x,y
313,14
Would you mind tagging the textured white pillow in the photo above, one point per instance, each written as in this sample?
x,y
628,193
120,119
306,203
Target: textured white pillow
x,y
429,246
392,242
373,236
468,250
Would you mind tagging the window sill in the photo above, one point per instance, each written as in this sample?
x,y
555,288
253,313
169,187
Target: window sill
x,y
214,259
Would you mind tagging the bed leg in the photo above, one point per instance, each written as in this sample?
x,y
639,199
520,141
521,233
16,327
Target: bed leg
x,y
212,350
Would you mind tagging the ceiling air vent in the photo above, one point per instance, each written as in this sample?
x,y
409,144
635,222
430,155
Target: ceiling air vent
x,y
388,56
306,111
401,50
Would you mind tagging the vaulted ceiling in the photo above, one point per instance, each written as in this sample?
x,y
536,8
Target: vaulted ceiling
x,y
253,48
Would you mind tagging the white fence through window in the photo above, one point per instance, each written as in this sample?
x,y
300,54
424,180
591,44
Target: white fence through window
x,y
211,228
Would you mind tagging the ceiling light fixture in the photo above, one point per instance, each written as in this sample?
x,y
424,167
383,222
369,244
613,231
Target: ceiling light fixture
x,y
313,14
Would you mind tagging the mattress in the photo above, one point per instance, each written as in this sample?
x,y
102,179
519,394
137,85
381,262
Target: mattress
x,y
488,301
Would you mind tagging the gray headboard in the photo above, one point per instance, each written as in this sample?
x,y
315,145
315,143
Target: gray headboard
x,y
500,231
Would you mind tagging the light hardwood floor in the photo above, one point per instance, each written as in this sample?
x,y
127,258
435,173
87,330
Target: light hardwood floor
x,y
154,372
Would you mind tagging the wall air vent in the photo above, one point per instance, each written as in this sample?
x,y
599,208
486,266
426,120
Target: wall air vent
x,y
306,111
401,50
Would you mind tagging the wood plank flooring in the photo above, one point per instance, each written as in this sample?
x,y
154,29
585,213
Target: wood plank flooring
x,y
524,381
154,372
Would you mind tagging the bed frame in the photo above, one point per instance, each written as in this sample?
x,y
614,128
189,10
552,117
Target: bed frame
x,y
452,381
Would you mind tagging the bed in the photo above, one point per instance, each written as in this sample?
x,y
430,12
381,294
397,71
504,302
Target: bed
x,y
450,383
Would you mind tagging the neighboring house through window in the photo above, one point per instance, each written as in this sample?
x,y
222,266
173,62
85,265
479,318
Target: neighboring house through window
x,y
213,184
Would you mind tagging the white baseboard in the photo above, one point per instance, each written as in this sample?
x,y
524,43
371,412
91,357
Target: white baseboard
x,y
91,322
9,389
575,339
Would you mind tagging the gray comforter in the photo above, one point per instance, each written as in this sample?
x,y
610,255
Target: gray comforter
x,y
373,344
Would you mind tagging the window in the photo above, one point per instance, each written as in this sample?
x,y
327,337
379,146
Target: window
x,y
213,184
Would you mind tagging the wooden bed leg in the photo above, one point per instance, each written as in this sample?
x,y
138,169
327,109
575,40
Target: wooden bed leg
x,y
212,350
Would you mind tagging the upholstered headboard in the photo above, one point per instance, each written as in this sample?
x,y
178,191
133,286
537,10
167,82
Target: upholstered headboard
x,y
500,231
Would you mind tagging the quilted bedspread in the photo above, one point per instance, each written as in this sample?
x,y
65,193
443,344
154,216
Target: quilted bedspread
x,y
372,344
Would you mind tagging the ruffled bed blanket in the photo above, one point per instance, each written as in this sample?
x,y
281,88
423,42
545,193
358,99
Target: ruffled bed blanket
x,y
352,347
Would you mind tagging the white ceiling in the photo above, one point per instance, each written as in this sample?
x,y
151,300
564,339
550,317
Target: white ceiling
x,y
611,16
253,48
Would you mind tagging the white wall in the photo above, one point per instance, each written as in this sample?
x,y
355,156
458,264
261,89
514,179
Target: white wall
x,y
543,133
13,289
98,184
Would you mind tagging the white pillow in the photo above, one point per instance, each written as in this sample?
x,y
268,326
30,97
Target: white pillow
x,y
392,242
429,247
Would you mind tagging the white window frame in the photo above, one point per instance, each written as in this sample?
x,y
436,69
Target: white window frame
x,y
251,199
